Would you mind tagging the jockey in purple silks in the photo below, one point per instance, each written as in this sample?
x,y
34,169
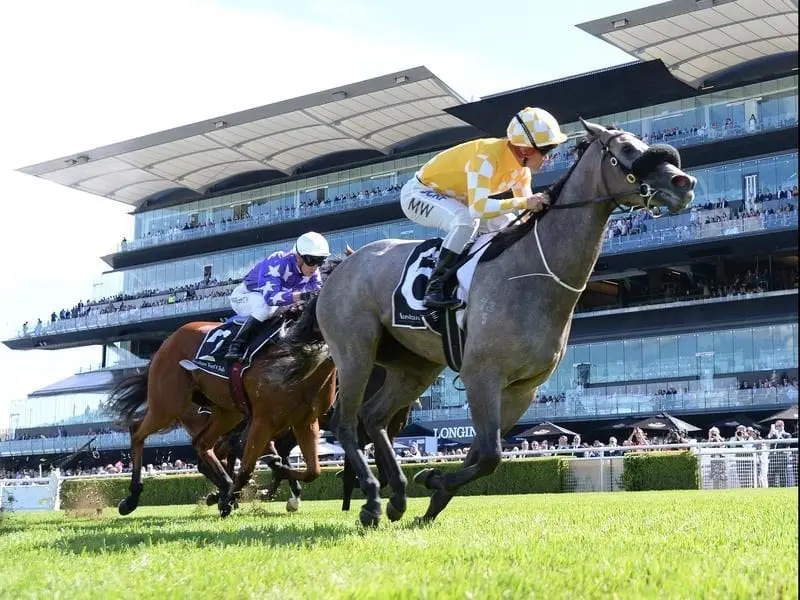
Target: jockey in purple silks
x,y
281,279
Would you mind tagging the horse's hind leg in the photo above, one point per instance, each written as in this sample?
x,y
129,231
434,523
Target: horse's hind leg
x,y
354,362
403,384
152,422
493,411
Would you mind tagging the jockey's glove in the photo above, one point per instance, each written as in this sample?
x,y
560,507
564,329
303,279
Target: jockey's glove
x,y
538,201
304,296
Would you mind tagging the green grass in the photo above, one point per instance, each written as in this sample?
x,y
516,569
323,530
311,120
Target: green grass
x,y
687,544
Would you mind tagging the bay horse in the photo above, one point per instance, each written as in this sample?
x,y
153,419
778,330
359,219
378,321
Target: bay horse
x,y
283,446
518,315
168,390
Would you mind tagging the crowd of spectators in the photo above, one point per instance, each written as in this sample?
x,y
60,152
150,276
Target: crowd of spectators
x,y
269,211
116,468
767,383
207,288
632,224
60,432
749,282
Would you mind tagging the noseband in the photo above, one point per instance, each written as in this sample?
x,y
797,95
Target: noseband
x,y
634,174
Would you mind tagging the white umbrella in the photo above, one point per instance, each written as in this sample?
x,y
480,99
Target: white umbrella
x,y
324,449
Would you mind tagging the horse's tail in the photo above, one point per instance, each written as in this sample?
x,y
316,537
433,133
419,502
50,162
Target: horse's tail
x,y
128,396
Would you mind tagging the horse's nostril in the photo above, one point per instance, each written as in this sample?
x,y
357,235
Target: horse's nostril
x,y
683,182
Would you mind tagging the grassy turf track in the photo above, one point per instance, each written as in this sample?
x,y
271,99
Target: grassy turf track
x,y
720,544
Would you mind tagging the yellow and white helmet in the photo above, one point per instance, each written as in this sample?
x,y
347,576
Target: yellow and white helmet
x,y
535,128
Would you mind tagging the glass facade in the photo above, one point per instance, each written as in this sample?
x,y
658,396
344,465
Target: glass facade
x,y
234,264
61,409
742,111
625,376
715,182
281,202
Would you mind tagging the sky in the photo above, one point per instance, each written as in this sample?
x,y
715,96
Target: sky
x,y
86,73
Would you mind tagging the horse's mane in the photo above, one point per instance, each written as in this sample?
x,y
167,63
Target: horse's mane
x,y
511,235
303,348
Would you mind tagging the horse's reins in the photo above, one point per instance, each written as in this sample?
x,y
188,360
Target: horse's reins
x,y
645,191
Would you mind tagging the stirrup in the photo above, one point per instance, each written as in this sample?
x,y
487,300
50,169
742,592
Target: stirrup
x,y
440,302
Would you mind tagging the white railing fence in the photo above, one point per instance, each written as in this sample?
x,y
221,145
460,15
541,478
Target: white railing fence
x,y
723,465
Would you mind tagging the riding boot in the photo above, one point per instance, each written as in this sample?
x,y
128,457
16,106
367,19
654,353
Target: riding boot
x,y
435,296
239,344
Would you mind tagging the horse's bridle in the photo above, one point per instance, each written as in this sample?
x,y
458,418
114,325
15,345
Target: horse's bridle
x,y
634,173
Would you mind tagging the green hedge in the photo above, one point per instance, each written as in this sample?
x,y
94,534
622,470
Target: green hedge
x,y
642,471
661,471
533,476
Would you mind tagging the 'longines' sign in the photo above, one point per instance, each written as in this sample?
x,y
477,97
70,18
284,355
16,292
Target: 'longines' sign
x,y
452,430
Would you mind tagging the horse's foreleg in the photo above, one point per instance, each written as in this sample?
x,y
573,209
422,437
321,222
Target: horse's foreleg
x,y
221,422
349,481
308,439
283,447
258,436
484,395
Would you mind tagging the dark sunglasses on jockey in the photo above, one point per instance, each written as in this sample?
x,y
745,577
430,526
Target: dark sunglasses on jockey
x,y
313,261
542,150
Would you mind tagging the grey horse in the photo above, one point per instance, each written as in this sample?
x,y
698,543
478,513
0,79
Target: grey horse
x,y
518,319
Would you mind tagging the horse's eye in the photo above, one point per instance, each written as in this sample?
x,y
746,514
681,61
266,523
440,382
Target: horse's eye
x,y
628,149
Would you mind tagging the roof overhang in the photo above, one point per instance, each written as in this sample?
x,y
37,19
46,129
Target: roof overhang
x,y
698,38
376,114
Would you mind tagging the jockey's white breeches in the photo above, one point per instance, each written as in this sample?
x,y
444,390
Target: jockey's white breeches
x,y
429,208
251,304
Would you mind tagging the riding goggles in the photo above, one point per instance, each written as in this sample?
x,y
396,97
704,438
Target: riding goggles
x,y
313,261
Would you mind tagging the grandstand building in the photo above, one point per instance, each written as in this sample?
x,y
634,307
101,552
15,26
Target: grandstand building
x,y
693,314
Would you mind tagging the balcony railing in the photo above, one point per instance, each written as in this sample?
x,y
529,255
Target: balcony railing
x,y
562,162
273,217
102,442
664,235
586,406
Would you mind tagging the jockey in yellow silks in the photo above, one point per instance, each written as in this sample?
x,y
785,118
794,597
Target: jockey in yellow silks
x,y
451,191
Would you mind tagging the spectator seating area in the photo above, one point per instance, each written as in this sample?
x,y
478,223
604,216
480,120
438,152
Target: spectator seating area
x,y
279,210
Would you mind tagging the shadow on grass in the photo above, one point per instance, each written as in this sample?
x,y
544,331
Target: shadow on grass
x,y
117,536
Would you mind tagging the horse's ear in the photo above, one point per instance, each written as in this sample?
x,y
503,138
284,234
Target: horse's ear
x,y
348,250
593,128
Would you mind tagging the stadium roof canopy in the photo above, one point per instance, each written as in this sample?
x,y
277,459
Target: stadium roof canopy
x,y
699,38
373,115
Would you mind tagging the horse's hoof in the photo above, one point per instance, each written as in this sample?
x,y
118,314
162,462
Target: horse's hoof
x,y
394,513
123,507
212,498
292,504
368,518
421,521
273,461
225,510
423,477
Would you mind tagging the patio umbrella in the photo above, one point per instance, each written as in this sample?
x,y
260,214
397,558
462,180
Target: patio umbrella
x,y
734,421
617,425
664,422
325,449
544,430
445,443
415,430
788,414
